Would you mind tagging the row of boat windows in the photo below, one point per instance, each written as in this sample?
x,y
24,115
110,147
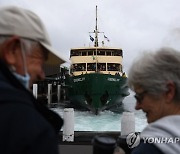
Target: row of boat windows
x,y
93,53
100,67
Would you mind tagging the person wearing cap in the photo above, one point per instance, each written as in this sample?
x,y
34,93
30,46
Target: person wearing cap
x,y
27,127
155,78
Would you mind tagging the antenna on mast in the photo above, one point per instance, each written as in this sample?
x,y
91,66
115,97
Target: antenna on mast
x,y
96,31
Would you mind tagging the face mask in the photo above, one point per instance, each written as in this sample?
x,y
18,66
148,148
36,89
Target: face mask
x,y
23,79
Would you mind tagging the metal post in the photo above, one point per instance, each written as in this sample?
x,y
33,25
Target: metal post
x,y
127,123
68,128
59,93
49,94
35,90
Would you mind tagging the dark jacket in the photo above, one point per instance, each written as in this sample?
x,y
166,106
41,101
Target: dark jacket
x,y
26,127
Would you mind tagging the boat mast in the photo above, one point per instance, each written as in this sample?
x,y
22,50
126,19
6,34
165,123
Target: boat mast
x,y
96,38
96,31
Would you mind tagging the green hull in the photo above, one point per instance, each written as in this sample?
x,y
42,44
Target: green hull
x,y
96,92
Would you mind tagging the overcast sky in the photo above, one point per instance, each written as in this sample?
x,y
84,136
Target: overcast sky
x,y
133,25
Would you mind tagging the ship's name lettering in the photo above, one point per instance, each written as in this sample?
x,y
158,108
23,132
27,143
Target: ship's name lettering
x,y
79,79
113,79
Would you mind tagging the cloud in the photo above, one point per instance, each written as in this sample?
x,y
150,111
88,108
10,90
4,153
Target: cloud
x,y
133,25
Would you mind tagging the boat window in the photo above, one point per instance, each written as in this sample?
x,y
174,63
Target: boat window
x,y
74,53
108,53
94,52
90,53
79,67
114,67
84,53
118,53
79,53
101,66
91,67
99,52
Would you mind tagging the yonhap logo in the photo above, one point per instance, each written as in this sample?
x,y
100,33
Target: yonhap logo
x,y
133,140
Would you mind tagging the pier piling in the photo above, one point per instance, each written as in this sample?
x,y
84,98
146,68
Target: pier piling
x,y
127,123
49,94
68,128
35,90
59,93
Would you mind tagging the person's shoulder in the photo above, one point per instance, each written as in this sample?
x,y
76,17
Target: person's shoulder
x,y
24,126
146,148
27,113
10,94
25,119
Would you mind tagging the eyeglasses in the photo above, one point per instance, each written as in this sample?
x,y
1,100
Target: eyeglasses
x,y
139,97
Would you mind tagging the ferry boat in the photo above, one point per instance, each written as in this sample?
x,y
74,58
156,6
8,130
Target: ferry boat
x,y
96,81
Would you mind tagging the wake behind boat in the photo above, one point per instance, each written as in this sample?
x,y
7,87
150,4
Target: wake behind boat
x,y
96,81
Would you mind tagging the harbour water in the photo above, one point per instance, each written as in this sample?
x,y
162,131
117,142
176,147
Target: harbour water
x,y
107,120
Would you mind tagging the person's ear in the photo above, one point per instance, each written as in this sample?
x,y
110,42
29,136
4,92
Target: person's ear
x,y
10,49
171,91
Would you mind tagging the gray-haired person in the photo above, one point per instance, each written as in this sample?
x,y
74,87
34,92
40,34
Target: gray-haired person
x,y
155,78
26,127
